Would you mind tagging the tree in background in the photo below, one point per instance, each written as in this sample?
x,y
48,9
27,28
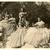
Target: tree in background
x,y
33,9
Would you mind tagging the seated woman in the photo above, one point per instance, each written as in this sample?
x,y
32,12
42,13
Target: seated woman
x,y
36,36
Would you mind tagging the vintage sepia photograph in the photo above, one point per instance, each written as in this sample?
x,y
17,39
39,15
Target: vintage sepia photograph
x,y
24,24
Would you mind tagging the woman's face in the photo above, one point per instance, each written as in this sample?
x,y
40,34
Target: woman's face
x,y
6,18
1,31
0,34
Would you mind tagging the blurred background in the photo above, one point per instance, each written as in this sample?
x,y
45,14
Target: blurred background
x,y
33,9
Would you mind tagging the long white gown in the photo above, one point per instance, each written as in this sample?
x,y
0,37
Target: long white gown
x,y
35,37
16,38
